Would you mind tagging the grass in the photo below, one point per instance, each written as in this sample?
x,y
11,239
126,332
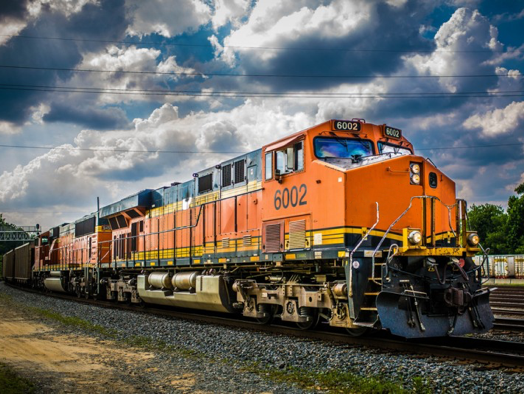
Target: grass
x,y
339,382
74,322
12,383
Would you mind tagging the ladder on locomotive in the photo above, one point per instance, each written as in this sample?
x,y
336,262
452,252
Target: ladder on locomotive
x,y
368,313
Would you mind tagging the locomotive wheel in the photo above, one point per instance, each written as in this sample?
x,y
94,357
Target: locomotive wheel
x,y
270,310
312,323
357,332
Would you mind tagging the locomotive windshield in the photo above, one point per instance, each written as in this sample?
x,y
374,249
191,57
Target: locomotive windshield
x,y
390,148
342,148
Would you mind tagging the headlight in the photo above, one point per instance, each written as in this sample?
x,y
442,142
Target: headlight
x,y
414,171
415,168
414,237
415,179
473,239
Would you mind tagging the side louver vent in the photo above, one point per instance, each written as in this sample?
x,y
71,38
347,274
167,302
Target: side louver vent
x,y
273,238
246,240
240,171
297,234
225,243
226,175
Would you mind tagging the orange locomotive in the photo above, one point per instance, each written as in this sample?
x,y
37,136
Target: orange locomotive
x,y
340,222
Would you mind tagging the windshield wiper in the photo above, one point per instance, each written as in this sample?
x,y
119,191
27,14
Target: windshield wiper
x,y
341,141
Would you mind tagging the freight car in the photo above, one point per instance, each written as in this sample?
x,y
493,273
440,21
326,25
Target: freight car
x,y
340,223
18,264
503,266
8,266
24,259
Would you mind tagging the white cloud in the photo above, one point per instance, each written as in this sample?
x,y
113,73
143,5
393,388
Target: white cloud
x,y
9,128
45,174
145,61
167,18
10,28
463,44
229,11
498,121
271,22
396,3
164,114
39,112
508,17
511,53
131,58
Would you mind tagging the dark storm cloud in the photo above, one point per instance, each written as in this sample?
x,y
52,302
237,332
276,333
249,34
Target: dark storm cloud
x,y
13,9
29,88
87,116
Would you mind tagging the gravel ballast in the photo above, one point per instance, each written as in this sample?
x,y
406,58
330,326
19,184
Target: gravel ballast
x,y
226,356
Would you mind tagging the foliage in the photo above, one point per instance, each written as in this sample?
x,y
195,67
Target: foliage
x,y
515,223
502,232
489,221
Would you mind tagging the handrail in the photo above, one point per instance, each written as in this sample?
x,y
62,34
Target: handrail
x,y
355,249
485,260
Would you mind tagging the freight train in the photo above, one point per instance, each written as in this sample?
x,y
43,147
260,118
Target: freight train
x,y
339,223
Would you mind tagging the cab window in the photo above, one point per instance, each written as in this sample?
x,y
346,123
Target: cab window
x,y
269,165
289,159
384,147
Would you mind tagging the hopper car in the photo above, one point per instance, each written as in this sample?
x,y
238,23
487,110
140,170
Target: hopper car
x,y
18,263
341,223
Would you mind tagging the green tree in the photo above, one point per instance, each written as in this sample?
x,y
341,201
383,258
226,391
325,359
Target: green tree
x,y
515,223
489,221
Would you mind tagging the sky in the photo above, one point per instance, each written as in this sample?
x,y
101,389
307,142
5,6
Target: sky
x,y
104,98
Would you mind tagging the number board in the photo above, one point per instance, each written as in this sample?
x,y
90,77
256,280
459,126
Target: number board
x,y
346,125
391,132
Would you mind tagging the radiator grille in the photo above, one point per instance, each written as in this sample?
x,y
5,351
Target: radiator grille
x,y
297,234
246,240
273,240
225,243
226,175
239,171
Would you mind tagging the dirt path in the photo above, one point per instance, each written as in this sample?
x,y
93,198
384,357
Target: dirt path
x,y
70,363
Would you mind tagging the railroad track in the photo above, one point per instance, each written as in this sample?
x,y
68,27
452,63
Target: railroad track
x,y
510,324
490,352
508,301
